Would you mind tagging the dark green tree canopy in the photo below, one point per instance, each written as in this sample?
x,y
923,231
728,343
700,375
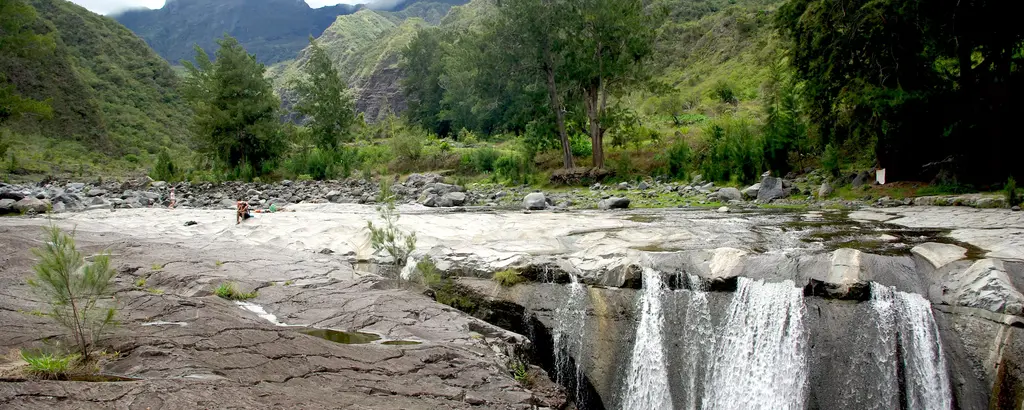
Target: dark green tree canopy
x,y
324,99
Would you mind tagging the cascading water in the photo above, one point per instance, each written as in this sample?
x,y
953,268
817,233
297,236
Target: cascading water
x,y
905,322
568,337
647,380
699,341
760,361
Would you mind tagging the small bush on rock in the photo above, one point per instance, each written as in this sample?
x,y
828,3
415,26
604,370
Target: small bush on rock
x,y
1010,190
48,366
508,278
230,292
388,237
79,293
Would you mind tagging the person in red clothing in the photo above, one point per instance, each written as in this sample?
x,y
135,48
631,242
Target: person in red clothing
x,y
243,212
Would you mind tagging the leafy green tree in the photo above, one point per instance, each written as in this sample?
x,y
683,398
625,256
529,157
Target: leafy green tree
x,y
784,129
18,39
608,42
236,111
423,66
388,237
164,169
323,98
929,80
79,293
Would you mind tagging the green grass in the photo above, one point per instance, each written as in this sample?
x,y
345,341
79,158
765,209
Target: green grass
x,y
48,366
140,282
230,292
508,278
520,372
157,266
155,291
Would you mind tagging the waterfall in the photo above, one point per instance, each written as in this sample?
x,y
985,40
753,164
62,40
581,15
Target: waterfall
x,y
647,379
760,359
570,320
905,322
698,342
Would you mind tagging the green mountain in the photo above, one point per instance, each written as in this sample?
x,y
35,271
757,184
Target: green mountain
x,y
366,47
112,96
273,30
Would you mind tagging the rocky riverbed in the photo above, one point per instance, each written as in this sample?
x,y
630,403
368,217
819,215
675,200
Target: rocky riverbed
x,y
180,346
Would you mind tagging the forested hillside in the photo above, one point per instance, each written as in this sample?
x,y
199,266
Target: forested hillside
x,y
111,96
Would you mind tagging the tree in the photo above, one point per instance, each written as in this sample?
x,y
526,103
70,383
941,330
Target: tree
x,y
236,111
928,80
531,42
18,39
609,40
323,98
389,237
423,67
783,129
79,293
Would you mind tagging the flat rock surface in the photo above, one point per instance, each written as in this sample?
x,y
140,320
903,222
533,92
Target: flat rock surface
x,y
190,349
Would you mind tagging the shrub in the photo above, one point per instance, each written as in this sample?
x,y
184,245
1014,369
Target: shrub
x,y
388,237
408,146
48,366
520,372
513,168
1010,190
429,275
677,159
230,292
725,92
581,145
508,278
480,160
79,294
830,160
734,150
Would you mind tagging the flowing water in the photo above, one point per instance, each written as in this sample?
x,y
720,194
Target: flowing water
x,y
698,343
647,380
905,322
759,361
568,336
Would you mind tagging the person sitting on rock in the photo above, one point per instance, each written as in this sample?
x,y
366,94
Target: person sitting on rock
x,y
243,212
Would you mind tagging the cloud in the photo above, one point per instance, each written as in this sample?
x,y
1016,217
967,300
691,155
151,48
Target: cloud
x,y
106,7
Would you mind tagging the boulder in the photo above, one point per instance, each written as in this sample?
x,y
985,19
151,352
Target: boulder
x,y
825,190
1016,208
159,184
455,198
861,179
7,206
431,200
643,185
723,210
770,189
420,180
59,207
12,195
697,179
623,185
29,204
939,254
535,201
334,196
751,191
614,203
729,194
984,285
441,188
96,192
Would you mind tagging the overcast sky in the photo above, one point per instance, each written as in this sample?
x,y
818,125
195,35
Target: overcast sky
x,y
112,6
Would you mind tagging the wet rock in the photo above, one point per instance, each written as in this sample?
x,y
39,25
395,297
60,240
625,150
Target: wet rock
x,y
751,191
771,189
729,194
455,198
535,201
29,204
191,223
984,285
613,203
825,190
939,254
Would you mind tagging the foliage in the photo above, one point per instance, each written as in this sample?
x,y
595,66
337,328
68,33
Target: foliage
x,y
18,39
1010,190
725,92
407,145
49,366
734,150
236,112
520,372
78,293
918,81
830,160
388,237
784,129
230,291
514,168
323,99
480,160
430,276
165,169
677,159
508,278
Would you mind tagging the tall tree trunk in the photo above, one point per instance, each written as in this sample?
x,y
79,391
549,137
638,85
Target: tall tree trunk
x,y
549,68
593,114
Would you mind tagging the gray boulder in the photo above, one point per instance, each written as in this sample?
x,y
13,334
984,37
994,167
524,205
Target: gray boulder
x,y
643,185
12,195
984,285
441,188
825,190
751,191
7,206
861,179
614,203
59,207
159,184
334,196
96,192
535,201
29,204
771,188
431,200
729,194
455,198
420,180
